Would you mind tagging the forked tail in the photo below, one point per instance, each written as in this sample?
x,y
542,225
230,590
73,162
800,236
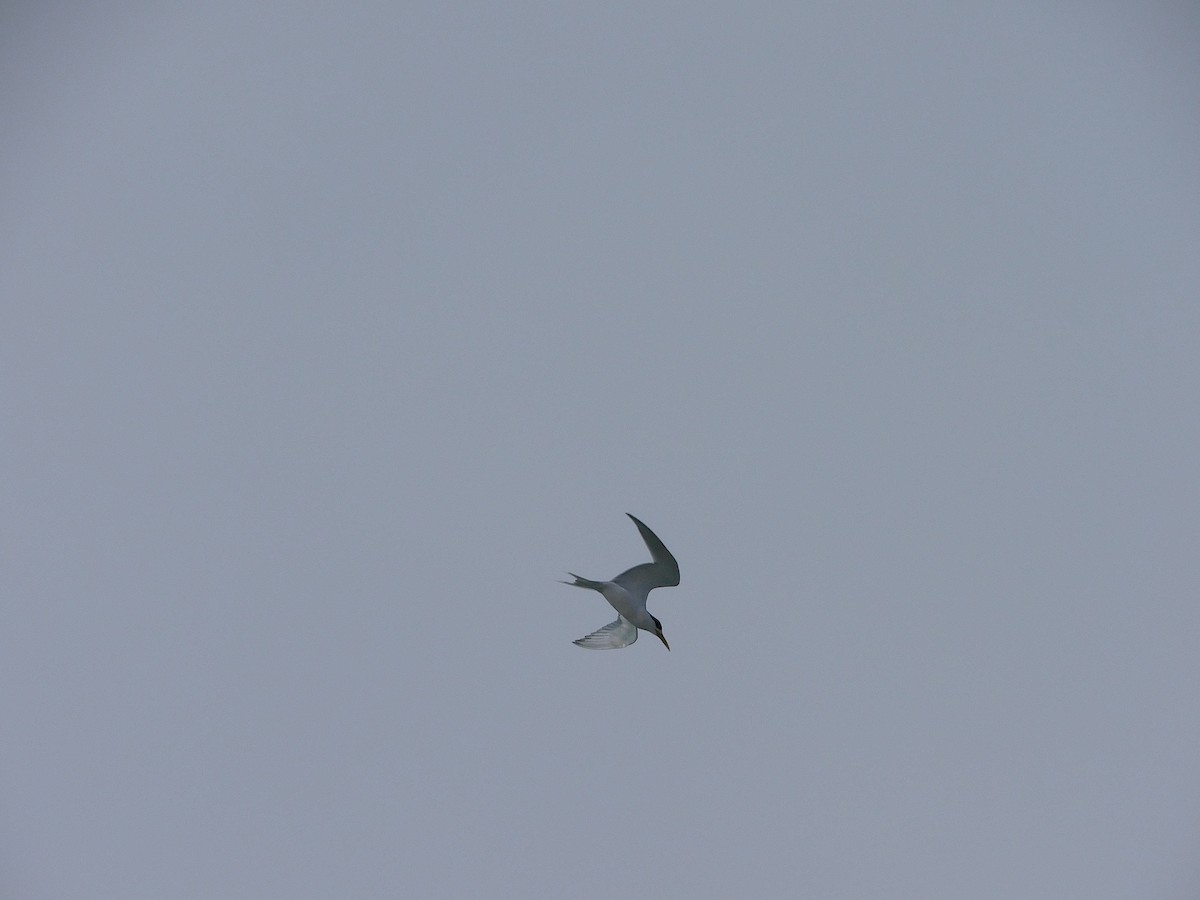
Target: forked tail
x,y
584,582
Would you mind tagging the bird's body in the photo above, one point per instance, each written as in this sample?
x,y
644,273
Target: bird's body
x,y
627,592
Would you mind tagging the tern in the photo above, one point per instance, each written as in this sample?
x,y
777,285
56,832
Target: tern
x,y
627,595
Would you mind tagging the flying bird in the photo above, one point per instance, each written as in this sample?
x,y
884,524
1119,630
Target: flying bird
x,y
627,595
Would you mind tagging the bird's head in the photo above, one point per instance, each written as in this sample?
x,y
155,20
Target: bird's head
x,y
658,632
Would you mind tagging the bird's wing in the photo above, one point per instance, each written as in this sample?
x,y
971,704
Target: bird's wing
x,y
613,636
663,572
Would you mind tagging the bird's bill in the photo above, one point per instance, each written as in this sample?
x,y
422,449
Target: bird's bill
x,y
663,639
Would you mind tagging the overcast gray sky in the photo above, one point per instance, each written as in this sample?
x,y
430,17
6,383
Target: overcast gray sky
x,y
333,334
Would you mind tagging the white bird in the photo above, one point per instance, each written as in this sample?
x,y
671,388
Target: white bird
x,y
627,594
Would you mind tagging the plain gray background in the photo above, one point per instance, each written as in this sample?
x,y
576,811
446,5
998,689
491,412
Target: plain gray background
x,y
333,334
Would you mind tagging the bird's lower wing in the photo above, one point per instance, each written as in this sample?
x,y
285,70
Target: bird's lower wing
x,y
613,636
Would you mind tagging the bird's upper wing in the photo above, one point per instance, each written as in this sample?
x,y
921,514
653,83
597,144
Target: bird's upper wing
x,y
663,572
612,636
